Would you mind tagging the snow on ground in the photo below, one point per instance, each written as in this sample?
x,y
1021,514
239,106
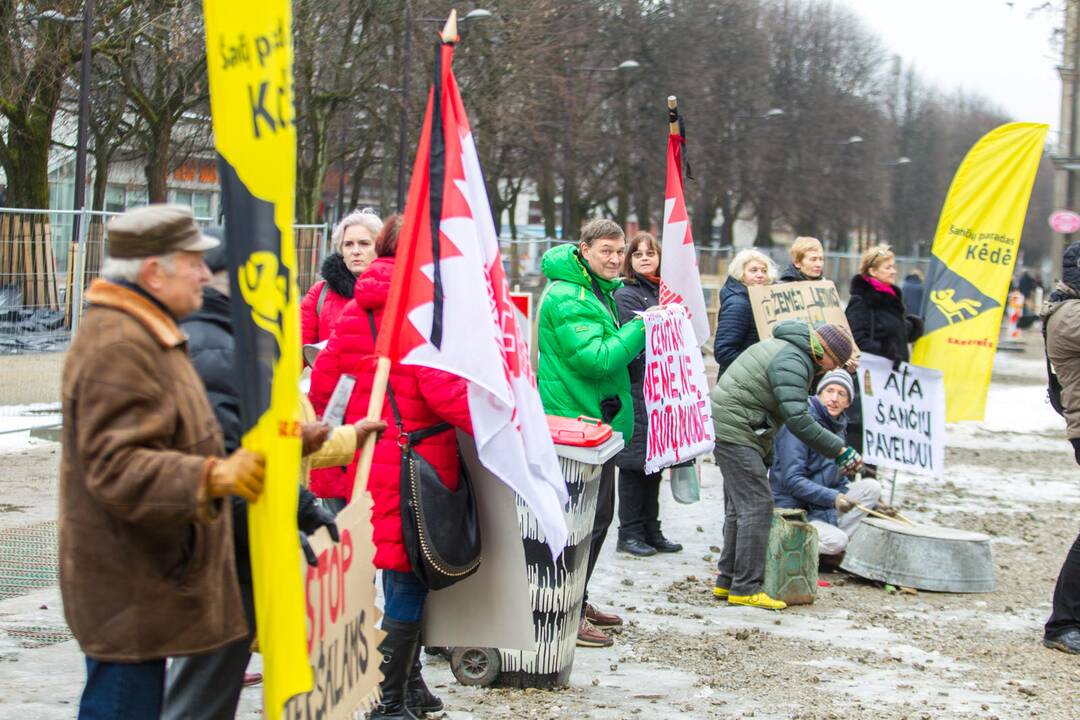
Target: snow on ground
x,y
16,421
858,652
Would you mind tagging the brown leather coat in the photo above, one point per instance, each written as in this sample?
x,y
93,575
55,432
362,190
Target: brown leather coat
x,y
146,560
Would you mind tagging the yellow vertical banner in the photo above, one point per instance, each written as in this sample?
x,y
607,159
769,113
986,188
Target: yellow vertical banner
x,y
249,59
975,249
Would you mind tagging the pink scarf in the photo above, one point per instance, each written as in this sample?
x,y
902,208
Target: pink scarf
x,y
880,286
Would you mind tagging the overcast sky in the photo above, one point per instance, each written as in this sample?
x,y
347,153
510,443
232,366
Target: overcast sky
x,y
994,47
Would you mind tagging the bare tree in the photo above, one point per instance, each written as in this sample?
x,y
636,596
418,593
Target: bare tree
x,y
161,64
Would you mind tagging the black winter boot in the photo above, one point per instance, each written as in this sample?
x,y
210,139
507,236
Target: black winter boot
x,y
398,649
419,699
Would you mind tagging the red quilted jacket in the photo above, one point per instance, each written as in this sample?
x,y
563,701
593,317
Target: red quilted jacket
x,y
317,326
443,398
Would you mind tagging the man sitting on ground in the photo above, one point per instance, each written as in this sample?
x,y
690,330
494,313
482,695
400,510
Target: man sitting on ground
x,y
804,479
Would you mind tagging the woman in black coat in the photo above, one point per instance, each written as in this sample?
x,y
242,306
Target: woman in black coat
x,y
735,327
879,323
639,494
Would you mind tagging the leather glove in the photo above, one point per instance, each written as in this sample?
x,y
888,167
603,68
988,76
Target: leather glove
x,y
241,474
843,503
312,436
1076,449
309,554
310,516
367,427
849,461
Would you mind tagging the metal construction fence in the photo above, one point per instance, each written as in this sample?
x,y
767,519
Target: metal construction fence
x,y
44,271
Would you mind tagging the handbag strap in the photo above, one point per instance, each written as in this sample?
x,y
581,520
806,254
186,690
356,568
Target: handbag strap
x,y
416,436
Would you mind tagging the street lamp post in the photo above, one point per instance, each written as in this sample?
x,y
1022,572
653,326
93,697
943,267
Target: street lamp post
x,y
406,62
849,142
84,115
569,186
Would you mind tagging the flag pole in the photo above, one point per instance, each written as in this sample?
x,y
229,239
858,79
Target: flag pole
x,y
382,365
673,114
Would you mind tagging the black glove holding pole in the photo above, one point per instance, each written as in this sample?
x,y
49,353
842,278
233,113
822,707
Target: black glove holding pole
x,y
310,515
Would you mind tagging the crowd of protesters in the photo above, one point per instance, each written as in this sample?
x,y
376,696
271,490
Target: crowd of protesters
x,y
154,559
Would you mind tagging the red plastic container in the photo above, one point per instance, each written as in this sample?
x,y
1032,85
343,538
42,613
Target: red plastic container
x,y
579,432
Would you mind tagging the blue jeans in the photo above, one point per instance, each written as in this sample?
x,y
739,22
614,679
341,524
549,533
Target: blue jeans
x,y
123,691
403,596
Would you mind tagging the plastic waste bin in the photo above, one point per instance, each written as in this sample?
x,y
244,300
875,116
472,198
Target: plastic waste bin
x,y
557,587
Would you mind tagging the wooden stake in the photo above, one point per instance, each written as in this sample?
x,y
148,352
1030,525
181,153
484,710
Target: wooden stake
x,y
883,516
673,104
374,412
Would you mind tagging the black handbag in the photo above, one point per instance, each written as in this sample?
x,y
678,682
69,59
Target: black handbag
x,y
440,527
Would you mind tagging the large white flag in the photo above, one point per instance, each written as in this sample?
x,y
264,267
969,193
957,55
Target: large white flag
x,y
680,280
449,308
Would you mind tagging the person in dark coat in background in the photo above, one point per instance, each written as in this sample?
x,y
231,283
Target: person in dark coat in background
x,y
807,261
639,494
208,685
879,324
913,293
735,326
1061,323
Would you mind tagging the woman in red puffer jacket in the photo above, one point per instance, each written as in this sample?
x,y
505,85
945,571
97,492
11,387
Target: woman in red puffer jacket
x,y
425,397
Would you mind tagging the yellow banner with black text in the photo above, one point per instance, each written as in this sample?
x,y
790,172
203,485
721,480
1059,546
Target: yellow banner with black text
x,y
249,59
975,249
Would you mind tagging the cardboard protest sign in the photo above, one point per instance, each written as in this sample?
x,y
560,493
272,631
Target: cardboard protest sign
x,y
339,602
903,416
813,301
676,393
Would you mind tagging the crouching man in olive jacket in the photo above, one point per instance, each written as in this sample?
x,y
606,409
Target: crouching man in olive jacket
x,y
763,390
146,554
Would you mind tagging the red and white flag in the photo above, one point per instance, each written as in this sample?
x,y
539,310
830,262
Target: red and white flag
x,y
449,307
680,281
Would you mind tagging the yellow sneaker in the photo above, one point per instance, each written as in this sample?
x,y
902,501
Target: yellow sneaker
x,y
758,600
720,592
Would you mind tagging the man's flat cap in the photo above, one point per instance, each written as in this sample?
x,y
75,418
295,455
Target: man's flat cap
x,y
156,230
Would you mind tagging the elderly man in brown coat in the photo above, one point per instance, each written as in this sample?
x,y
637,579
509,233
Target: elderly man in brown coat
x,y
146,554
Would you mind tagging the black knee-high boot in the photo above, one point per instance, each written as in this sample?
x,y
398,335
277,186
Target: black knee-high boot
x,y
418,697
398,649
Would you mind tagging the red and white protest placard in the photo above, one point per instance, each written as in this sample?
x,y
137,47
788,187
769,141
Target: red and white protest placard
x,y
676,393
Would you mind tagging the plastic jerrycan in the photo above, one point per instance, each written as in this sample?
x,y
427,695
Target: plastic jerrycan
x,y
791,566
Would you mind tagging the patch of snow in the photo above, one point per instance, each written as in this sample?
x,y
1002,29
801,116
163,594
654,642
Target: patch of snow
x,y
1020,409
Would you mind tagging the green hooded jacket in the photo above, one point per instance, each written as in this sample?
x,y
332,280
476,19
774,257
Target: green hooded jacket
x,y
766,387
584,353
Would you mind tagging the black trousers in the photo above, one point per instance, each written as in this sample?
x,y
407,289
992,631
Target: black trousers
x,y
1066,614
605,511
639,505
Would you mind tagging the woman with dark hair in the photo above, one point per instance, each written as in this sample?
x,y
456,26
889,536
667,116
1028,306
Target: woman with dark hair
x,y
639,494
424,397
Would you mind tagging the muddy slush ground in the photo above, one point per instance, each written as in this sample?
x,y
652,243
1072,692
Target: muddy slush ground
x,y
857,652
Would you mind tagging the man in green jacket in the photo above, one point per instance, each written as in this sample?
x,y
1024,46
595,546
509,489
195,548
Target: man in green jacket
x,y
584,359
766,388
